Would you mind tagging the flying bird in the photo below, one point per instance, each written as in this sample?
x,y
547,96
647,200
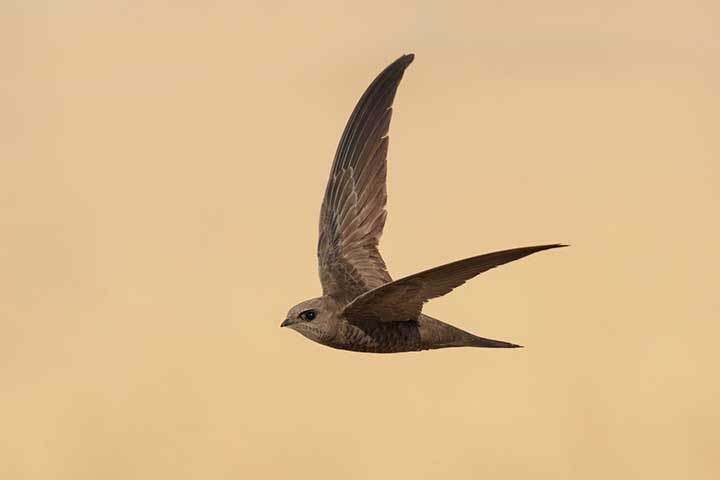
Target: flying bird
x,y
362,309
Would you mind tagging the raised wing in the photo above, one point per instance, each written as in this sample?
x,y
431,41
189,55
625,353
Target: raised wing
x,y
353,210
403,299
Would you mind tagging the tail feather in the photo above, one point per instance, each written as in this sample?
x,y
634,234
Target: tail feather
x,y
438,334
490,343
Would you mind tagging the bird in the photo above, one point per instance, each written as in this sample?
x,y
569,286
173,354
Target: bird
x,y
362,309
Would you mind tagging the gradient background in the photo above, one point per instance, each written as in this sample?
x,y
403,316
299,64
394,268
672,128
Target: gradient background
x,y
161,176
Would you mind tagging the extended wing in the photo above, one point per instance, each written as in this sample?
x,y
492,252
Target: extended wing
x,y
353,210
403,299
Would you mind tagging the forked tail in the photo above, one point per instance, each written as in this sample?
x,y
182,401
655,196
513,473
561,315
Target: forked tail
x,y
490,343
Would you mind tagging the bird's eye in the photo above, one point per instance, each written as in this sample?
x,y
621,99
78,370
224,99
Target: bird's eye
x,y
308,315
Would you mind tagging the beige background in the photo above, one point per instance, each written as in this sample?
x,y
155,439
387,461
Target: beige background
x,y
161,174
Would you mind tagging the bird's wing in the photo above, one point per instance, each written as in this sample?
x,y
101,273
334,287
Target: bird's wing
x,y
403,299
353,210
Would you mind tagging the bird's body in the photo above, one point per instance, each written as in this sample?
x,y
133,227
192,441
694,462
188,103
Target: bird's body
x,y
362,309
423,333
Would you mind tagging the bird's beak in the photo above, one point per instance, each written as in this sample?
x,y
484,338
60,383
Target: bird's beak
x,y
286,322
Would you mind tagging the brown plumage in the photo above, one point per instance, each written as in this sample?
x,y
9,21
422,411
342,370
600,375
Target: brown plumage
x,y
362,309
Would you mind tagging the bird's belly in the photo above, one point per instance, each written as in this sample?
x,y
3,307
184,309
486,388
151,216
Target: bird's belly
x,y
380,337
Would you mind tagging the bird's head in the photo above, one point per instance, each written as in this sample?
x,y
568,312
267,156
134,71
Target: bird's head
x,y
314,318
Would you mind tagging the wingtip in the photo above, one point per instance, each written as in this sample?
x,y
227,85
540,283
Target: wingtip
x,y
553,245
405,60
